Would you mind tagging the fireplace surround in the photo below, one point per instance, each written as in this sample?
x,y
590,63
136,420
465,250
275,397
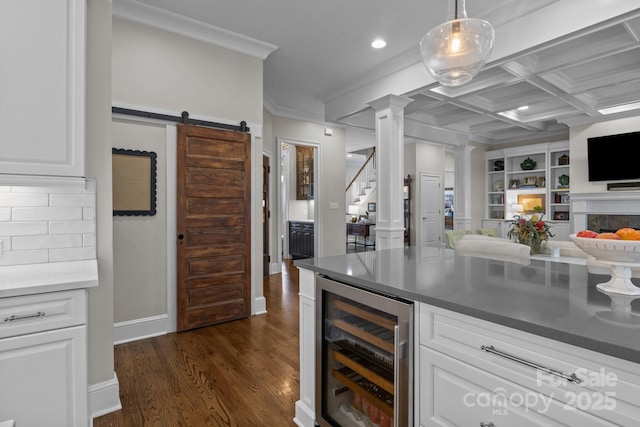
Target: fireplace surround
x,y
605,211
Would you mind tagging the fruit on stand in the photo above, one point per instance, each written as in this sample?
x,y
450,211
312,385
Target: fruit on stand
x,y
625,233
587,233
610,236
628,234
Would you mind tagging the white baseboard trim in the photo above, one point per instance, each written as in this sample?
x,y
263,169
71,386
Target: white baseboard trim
x,y
104,397
138,329
260,305
304,416
274,268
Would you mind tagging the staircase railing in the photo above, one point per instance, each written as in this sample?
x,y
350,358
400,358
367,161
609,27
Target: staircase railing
x,y
365,174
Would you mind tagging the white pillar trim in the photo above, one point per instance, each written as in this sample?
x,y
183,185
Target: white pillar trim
x,y
389,124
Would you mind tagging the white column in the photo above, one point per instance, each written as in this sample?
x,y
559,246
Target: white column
x,y
462,188
389,123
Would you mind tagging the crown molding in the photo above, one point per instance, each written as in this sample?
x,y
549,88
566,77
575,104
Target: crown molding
x,y
143,13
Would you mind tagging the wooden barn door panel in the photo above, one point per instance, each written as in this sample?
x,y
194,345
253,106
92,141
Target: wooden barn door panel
x,y
213,223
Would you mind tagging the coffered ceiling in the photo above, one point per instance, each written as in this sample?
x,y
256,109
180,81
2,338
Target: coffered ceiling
x,y
322,53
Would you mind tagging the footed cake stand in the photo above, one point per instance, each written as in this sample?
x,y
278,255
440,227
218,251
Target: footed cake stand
x,y
620,256
620,282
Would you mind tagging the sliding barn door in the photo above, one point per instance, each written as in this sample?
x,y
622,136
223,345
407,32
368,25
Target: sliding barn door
x,y
213,224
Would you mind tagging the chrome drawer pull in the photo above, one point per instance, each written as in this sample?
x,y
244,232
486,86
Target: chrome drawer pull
x,y
26,316
489,424
573,377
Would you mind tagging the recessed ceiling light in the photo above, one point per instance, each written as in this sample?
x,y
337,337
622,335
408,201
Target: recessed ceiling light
x,y
378,44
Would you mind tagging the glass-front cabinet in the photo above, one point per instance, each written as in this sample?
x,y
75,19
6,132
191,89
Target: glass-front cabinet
x,y
363,358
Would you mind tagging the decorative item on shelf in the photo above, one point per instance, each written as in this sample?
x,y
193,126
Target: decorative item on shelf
x,y
529,181
497,214
564,198
541,181
528,164
514,183
531,232
561,216
563,160
455,51
563,181
498,165
498,185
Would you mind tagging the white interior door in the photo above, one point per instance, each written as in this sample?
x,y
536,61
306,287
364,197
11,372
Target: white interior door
x,y
431,202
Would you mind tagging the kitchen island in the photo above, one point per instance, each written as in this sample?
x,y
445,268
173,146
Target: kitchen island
x,y
486,317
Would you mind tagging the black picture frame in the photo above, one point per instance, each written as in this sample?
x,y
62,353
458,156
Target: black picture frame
x,y
134,182
371,207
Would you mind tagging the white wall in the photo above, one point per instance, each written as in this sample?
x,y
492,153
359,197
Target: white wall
x,y
579,176
98,167
160,71
330,176
139,242
422,157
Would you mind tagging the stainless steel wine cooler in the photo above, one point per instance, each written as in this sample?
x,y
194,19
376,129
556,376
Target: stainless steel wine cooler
x,y
364,371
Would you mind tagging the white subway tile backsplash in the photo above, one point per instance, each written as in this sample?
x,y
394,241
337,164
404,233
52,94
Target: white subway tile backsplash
x,y
46,214
47,224
23,228
46,242
68,227
24,257
71,254
24,199
88,240
6,243
70,200
46,190
88,213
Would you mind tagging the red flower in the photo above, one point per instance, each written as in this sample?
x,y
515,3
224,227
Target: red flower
x,y
540,225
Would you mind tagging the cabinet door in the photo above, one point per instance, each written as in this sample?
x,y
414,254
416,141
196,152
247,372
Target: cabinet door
x,y
453,393
44,379
43,87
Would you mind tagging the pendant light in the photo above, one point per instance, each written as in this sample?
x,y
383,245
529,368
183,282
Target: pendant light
x,y
455,51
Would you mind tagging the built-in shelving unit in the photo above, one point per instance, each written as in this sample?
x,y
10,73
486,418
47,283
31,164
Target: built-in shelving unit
x,y
526,180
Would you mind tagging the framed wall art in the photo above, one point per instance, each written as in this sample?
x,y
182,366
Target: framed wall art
x,y
134,182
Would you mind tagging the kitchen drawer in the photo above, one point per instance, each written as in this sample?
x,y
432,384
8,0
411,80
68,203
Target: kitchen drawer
x,y
463,338
454,393
41,312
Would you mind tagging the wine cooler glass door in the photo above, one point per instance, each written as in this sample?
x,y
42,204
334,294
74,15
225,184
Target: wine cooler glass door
x,y
363,357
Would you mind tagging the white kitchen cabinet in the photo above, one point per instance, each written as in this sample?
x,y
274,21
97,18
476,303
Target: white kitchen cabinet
x,y
43,359
471,371
42,81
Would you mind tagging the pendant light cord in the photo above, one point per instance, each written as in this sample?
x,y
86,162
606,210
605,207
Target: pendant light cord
x,y
455,14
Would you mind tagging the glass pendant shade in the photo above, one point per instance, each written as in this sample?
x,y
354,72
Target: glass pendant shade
x,y
455,51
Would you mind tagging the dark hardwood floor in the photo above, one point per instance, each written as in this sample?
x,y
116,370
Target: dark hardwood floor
x,y
240,373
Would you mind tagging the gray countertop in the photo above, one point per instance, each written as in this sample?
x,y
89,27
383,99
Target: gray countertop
x,y
551,299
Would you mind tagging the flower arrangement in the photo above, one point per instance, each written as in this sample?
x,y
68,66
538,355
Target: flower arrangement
x,y
531,232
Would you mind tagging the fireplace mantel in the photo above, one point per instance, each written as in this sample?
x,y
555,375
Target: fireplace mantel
x,y
613,202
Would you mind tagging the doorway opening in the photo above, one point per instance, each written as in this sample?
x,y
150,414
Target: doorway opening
x,y
297,198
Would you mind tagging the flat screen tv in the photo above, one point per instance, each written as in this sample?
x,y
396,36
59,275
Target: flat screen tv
x,y
613,157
